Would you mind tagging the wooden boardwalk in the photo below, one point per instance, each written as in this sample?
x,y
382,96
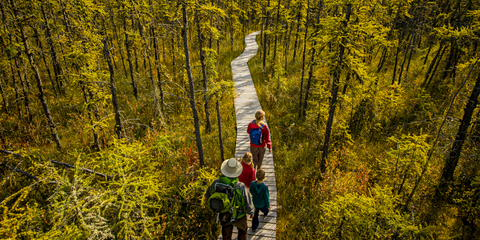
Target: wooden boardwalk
x,y
246,104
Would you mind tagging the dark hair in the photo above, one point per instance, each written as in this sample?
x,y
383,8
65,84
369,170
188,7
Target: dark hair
x,y
260,174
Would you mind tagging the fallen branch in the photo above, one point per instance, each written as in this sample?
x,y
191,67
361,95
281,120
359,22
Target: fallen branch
x,y
59,163
9,152
20,171
24,173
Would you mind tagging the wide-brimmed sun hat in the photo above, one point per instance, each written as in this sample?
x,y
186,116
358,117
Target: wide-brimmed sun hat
x,y
231,168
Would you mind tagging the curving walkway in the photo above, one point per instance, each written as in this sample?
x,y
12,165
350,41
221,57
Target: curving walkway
x,y
246,104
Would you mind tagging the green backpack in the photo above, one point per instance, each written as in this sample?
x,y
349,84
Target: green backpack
x,y
226,200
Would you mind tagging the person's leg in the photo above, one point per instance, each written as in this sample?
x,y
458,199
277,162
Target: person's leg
x,y
242,227
227,229
255,155
255,221
261,153
265,211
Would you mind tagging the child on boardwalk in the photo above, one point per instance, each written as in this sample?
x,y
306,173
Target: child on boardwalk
x,y
259,138
261,198
248,173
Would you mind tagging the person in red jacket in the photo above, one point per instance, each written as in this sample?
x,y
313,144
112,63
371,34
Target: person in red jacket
x,y
259,138
248,173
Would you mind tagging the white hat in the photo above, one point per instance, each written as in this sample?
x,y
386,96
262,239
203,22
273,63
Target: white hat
x,y
231,168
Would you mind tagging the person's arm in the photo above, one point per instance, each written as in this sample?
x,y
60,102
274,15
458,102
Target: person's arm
x,y
252,176
247,200
208,193
266,138
248,128
268,197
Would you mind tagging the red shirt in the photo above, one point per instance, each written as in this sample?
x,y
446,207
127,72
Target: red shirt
x,y
265,135
248,175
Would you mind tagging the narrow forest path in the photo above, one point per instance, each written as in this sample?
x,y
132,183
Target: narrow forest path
x,y
246,104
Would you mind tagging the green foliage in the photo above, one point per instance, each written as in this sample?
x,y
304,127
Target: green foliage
x,y
354,216
404,163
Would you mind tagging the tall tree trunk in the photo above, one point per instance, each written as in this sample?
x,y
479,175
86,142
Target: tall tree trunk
x,y
16,91
113,88
40,46
436,66
454,155
296,37
57,69
454,68
395,65
129,59
382,59
173,54
428,52
219,118
41,96
450,65
300,109
67,72
243,28
287,40
25,76
158,112
66,22
385,51
265,38
115,34
5,103
409,59
432,64
26,98
208,128
276,26
163,49
94,133
310,72
157,64
335,85
408,48
192,87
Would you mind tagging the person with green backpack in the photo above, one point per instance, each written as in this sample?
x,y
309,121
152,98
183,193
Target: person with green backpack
x,y
230,199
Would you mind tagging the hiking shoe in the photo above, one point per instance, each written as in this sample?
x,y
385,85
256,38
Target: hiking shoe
x,y
265,216
254,230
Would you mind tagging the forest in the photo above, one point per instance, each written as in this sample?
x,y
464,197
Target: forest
x,y
115,116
